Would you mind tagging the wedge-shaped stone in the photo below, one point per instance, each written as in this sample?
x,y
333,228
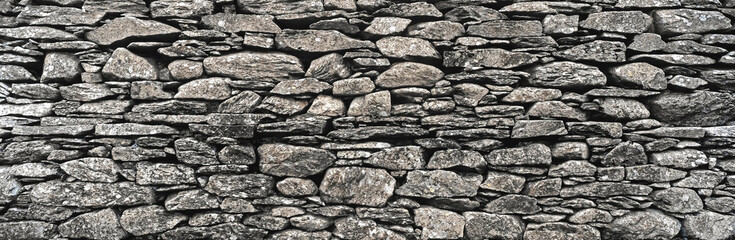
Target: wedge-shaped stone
x,y
618,21
399,158
681,21
71,130
538,128
506,29
227,22
125,29
132,129
293,161
124,65
92,169
300,87
357,185
513,204
642,75
241,186
149,219
101,225
567,75
487,57
606,189
451,158
409,74
318,41
373,104
196,199
440,183
85,92
532,154
254,66
209,89
407,48
96,195
163,174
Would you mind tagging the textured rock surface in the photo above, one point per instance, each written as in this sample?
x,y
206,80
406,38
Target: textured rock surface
x,y
362,119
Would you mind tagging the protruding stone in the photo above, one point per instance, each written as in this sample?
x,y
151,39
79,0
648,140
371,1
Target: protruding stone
x,y
684,158
293,161
373,104
357,185
409,74
60,67
681,21
254,66
92,169
399,158
439,223
149,220
329,67
618,21
102,225
124,65
209,89
125,29
623,109
642,75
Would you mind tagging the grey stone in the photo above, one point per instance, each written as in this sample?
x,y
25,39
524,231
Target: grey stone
x,y
684,158
556,109
102,225
327,106
243,102
624,109
399,158
292,186
163,174
300,87
570,150
13,73
185,69
134,154
192,151
678,200
439,183
681,21
503,182
283,105
560,230
605,189
439,223
720,78
278,7
27,230
513,204
438,30
125,29
709,225
149,90
180,8
573,168
470,13
249,65
329,67
415,9
35,91
30,151
679,108
70,130
357,185
653,173
487,57
532,154
560,24
241,186
40,170
85,92
318,41
647,3
643,75
618,21
452,158
701,179
209,89
409,74
647,42
196,199
372,104
675,59
384,26
293,161
237,154
132,129
480,225
407,48
469,94
353,86
310,222
227,22
37,33
354,228
149,219
81,194
538,128
60,67
566,75
92,169
531,94
230,231
598,51
625,154
591,215
124,65
506,29
648,224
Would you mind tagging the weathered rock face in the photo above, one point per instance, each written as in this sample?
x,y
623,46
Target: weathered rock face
x,y
362,119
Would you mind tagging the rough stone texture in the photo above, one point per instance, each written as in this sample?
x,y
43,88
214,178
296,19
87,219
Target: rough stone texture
x,y
362,119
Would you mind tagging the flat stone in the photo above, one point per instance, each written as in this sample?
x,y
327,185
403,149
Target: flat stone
x,y
163,174
701,179
355,228
292,186
71,130
196,199
353,86
618,21
640,75
27,230
192,151
37,33
148,90
300,87
151,219
241,186
681,21
327,106
29,151
567,75
513,204
399,158
329,67
409,74
579,168
132,129
684,158
293,161
720,78
679,108
439,224
126,29
503,182
85,92
243,102
560,24
55,15
115,7
377,132
185,69
453,158
438,30
560,230
531,94
415,9
505,29
487,57
278,7
13,73
598,51
675,59
384,26
318,41
677,200
709,225
647,42
81,194
647,3
102,225
625,154
124,65
60,67
249,65
532,154
439,183
480,225
623,109
209,89
92,169
538,128
556,109
180,8
407,48
605,189
653,173
357,185
648,224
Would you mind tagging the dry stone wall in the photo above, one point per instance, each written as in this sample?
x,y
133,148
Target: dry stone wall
x,y
367,119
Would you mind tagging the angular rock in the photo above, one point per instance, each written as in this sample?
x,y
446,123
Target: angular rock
x,y
297,187
27,230
701,179
560,230
709,225
180,8
241,186
70,130
653,173
278,7
13,73
684,158
532,154
503,182
357,185
538,128
126,29
209,89
327,106
318,41
513,204
92,169
244,102
132,129
679,108
439,183
293,161
227,22
163,174
80,194
647,42
567,75
353,86
407,48
573,168
505,29
85,92
354,228
531,94
625,154
648,224
124,65
598,51
452,158
487,57
439,224
605,189
480,225
254,66
642,75
415,9
384,26
329,67
623,109
618,21
409,74
556,109
196,199
373,104
151,219
191,151
677,200
560,24
60,67
37,33
681,21
439,30
399,158
300,87
148,90
377,132
102,225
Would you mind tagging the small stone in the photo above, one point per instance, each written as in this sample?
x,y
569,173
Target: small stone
x,y
415,9
180,8
357,185
684,158
327,105
354,228
353,86
241,186
648,224
300,87
37,33
709,225
208,88
163,174
85,92
567,75
27,230
480,225
329,67
556,109
279,7
560,24
573,168
618,21
598,51
439,30
102,225
384,26
624,109
92,169
681,21
643,75
531,94
605,189
407,48
249,65
513,204
503,182
124,65
451,158
283,105
439,224
505,29
293,161
196,199
647,42
149,220
243,102
625,154
373,104
653,173
61,67
310,222
409,74
318,41
570,150
538,128
532,154
125,29
678,200
132,129
439,183
487,57
292,186
469,94
191,151
148,90
185,69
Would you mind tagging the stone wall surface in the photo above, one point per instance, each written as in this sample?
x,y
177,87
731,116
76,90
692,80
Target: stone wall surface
x,y
367,119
